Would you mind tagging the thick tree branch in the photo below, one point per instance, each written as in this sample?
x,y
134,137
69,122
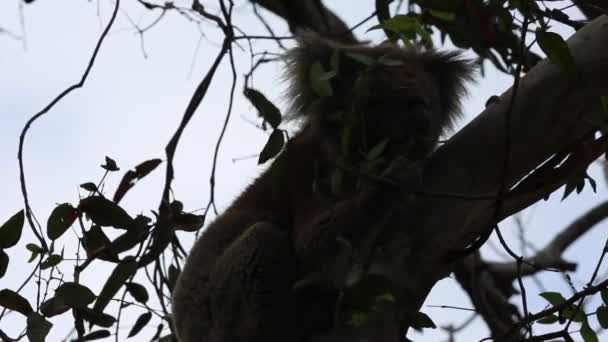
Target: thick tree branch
x,y
554,112
311,15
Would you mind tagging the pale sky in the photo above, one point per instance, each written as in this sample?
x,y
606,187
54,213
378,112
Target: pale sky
x,y
129,108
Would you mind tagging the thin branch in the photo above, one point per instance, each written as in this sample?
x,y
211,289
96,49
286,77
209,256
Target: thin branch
x,y
551,255
28,210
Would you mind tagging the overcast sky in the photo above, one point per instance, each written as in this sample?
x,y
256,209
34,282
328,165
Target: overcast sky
x,y
132,102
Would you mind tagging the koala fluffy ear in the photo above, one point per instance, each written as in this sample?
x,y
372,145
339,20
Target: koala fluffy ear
x,y
451,71
329,55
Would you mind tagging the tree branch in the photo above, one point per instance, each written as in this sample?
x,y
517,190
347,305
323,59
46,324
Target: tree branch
x,y
551,255
310,15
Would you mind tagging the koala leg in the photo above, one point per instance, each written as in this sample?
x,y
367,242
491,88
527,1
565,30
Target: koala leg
x,y
250,288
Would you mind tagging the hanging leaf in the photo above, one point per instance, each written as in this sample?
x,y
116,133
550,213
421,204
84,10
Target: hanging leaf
x,y
421,320
74,295
548,319
96,335
555,298
37,327
408,27
588,334
10,231
189,222
377,150
110,165
141,322
138,292
173,274
98,318
604,294
53,307
320,80
4,259
602,316
62,218
116,280
266,109
51,261
159,330
35,249
97,244
445,16
273,146
361,58
556,49
13,301
132,176
89,186
105,213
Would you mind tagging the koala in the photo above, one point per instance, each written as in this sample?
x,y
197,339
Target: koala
x,y
360,108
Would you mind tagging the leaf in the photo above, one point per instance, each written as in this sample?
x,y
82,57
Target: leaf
x,y
37,327
387,297
89,186
385,60
548,319
592,182
445,16
105,213
173,274
138,292
74,295
588,334
14,301
97,244
273,146
4,259
98,318
10,231
556,49
555,298
571,312
127,241
117,278
159,330
51,261
110,165
189,222
602,316
421,320
62,218
35,249
132,176
53,307
408,27
361,58
377,150
96,335
604,294
140,323
266,109
574,313
320,80
358,319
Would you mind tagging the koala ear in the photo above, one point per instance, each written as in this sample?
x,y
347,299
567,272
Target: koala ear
x,y
331,56
451,72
